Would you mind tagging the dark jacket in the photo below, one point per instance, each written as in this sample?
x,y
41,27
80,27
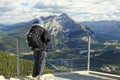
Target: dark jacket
x,y
44,38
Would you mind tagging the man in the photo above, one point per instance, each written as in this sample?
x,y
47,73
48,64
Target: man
x,y
38,38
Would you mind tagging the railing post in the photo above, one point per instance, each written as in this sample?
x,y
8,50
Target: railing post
x,y
18,58
88,61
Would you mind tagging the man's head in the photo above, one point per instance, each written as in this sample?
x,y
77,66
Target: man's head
x,y
39,21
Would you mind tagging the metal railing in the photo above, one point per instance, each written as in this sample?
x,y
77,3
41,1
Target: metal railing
x,y
62,58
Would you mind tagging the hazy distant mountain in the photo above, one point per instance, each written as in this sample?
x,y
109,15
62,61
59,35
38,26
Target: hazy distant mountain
x,y
104,28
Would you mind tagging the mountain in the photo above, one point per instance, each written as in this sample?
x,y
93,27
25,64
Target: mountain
x,y
68,39
110,29
54,24
60,27
64,25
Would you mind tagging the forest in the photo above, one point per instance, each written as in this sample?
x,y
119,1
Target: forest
x,y
8,66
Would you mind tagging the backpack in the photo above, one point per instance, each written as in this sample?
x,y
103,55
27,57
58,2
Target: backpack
x,y
34,37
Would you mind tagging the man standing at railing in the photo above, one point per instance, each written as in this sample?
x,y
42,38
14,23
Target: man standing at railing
x,y
38,39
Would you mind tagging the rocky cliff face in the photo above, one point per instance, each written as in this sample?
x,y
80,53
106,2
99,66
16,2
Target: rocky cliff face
x,y
63,24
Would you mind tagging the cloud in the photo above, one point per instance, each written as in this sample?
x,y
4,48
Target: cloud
x,y
80,10
8,5
44,4
6,9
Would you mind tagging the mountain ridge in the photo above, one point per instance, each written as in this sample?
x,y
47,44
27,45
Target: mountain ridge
x,y
54,24
60,28
103,26
104,29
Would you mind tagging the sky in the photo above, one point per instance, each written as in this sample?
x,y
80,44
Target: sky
x,y
15,11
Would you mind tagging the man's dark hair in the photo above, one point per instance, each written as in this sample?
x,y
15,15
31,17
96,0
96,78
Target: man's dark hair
x,y
35,22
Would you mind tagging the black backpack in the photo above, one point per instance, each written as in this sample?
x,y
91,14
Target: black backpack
x,y
34,37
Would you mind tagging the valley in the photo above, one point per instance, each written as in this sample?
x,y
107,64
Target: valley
x,y
68,47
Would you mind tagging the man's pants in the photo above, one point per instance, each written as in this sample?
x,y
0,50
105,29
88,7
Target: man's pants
x,y
39,64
